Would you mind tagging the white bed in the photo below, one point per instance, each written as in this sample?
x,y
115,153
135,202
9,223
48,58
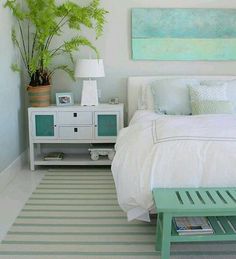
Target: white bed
x,y
170,151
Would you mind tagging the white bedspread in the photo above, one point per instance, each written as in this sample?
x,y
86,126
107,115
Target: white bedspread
x,y
172,151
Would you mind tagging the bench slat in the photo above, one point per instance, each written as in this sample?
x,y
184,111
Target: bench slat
x,y
214,223
198,198
232,220
164,195
225,225
205,197
185,198
216,198
229,197
226,197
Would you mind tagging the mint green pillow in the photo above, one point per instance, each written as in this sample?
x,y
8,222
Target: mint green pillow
x,y
212,107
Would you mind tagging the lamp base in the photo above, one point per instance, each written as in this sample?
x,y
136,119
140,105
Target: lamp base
x,y
89,93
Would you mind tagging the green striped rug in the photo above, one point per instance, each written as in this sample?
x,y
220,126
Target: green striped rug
x,y
75,214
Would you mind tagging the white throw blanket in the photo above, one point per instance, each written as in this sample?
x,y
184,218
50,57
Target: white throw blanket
x,y
173,151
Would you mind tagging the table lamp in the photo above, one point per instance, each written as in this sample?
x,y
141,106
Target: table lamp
x,y
89,68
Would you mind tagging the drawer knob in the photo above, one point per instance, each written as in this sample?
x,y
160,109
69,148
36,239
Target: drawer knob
x,y
75,114
75,129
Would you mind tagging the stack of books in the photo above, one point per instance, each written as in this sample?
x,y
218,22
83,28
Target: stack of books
x,y
193,226
54,156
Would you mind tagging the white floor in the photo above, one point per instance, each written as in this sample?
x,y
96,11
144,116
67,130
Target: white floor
x,y
14,196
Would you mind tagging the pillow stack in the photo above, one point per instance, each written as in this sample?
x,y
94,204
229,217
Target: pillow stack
x,y
191,96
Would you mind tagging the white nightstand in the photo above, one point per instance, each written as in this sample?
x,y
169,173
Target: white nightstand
x,y
71,130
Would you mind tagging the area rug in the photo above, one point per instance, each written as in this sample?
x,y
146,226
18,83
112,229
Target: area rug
x,y
75,214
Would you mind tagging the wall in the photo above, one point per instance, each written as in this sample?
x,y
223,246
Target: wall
x,y
115,48
12,113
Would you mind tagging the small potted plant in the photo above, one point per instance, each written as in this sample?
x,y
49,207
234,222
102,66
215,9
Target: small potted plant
x,y
40,24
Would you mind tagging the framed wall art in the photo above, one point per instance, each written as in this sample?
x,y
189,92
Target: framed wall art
x,y
183,34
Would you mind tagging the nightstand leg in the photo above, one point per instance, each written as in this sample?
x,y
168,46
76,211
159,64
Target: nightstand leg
x,y
31,153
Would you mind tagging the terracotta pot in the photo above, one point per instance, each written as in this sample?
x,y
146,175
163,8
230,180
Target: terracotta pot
x,y
39,96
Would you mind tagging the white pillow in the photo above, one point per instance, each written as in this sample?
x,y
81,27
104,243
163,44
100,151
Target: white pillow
x,y
213,82
171,96
145,101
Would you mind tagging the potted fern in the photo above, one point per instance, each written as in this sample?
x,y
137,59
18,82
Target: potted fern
x,y
40,24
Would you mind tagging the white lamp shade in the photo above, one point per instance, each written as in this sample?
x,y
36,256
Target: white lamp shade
x,y
89,68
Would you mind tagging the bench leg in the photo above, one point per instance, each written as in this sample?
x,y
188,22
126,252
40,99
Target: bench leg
x,y
166,235
159,228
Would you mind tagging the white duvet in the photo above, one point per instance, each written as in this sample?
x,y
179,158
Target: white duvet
x,y
172,151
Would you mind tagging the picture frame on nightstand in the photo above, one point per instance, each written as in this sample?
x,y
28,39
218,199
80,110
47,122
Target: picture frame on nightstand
x,y
114,100
64,99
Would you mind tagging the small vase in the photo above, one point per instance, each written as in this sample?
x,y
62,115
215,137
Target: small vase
x,y
39,96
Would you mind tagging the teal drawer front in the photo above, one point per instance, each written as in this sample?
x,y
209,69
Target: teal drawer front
x,y
107,125
44,125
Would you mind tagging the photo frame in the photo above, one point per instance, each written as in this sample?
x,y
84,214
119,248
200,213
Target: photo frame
x,y
64,99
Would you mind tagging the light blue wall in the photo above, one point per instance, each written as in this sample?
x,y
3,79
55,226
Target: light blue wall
x,y
12,112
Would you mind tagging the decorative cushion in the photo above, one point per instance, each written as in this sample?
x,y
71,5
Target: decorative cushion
x,y
212,107
171,96
204,92
210,100
230,85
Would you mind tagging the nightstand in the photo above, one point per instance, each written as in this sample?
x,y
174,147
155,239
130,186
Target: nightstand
x,y
72,130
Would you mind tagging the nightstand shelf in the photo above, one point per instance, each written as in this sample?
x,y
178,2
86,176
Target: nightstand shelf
x,y
63,128
73,159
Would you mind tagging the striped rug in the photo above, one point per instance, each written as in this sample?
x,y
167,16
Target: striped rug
x,y
75,214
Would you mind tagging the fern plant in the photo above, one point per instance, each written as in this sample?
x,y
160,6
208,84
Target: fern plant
x,y
41,23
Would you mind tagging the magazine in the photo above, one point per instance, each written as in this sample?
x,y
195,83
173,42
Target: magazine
x,y
54,156
193,225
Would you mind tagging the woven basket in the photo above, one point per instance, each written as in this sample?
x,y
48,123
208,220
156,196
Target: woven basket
x,y
39,96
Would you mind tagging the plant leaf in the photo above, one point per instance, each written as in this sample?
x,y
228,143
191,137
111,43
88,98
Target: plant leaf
x,y
15,68
65,68
76,42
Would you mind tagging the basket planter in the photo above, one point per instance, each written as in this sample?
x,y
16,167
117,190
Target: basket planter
x,y
39,96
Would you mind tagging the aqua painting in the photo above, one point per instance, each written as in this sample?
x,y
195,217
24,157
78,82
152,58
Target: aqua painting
x,y
183,34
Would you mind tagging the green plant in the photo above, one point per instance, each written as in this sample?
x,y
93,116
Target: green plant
x,y
40,24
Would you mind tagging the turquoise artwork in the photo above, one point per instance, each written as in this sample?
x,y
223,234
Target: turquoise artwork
x,y
183,34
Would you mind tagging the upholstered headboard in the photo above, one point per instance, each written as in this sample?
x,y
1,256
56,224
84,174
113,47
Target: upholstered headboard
x,y
136,82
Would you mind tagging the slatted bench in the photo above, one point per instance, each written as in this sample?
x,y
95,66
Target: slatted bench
x,y
217,204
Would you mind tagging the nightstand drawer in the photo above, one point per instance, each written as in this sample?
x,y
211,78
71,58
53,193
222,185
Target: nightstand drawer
x,y
75,132
80,118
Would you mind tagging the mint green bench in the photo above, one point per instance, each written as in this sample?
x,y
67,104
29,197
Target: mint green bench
x,y
218,204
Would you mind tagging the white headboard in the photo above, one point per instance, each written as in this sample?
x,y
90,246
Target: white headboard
x,y
136,82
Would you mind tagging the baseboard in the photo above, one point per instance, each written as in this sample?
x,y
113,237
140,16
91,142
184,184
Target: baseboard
x,y
10,172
